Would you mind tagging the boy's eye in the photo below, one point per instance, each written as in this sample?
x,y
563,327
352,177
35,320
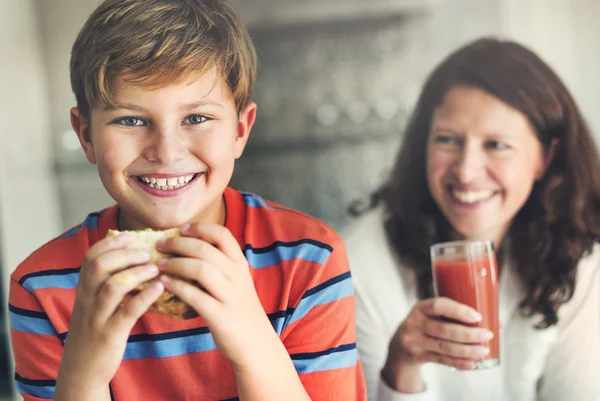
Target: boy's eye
x,y
130,121
195,119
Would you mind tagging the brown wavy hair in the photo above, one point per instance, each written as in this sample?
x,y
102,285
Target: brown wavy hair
x,y
560,221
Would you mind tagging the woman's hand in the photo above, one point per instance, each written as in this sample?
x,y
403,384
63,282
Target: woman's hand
x,y
100,326
436,330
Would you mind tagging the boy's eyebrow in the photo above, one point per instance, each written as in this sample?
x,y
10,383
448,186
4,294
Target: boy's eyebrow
x,y
120,106
200,103
139,109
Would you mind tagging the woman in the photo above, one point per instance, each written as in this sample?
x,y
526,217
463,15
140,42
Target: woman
x,y
496,149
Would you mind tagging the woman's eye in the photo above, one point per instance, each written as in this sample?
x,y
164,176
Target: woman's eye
x,y
195,119
496,145
130,121
447,140
442,139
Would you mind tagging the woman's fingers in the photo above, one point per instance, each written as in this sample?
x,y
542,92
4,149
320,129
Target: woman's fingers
x,y
462,364
455,332
453,350
433,333
450,309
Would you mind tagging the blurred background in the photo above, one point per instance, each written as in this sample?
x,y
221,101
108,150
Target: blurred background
x,y
337,79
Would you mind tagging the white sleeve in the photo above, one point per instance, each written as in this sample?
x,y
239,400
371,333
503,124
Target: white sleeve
x,y
572,370
381,302
386,393
372,343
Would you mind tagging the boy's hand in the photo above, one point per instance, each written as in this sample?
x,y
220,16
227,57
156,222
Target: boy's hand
x,y
99,325
211,256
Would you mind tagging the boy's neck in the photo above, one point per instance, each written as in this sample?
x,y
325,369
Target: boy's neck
x,y
216,216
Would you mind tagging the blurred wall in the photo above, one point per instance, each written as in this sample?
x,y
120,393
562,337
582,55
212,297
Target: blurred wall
x,y
28,196
334,95
565,33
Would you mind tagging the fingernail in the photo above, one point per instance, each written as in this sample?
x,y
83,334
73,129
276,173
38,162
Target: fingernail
x,y
165,279
124,238
487,335
474,315
152,269
144,253
482,351
184,227
161,262
161,242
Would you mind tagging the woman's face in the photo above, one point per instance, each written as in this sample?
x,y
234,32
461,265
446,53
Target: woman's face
x,y
483,158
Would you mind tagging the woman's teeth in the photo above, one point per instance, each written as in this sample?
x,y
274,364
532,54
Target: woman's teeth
x,y
472,196
166,183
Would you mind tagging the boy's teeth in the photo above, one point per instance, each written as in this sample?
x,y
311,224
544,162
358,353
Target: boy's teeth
x,y
167,183
186,179
471,196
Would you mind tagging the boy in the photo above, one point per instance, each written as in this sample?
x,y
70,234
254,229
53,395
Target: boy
x,y
163,91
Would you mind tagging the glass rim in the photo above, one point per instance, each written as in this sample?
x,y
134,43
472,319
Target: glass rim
x,y
463,242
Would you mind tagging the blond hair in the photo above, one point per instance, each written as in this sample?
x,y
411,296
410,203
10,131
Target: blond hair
x,y
160,42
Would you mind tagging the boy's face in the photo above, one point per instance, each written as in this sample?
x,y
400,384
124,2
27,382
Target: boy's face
x,y
166,155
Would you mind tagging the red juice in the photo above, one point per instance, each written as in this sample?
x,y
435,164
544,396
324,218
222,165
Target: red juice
x,y
470,276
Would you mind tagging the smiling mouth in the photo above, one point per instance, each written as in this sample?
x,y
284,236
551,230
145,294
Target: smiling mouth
x,y
167,184
471,197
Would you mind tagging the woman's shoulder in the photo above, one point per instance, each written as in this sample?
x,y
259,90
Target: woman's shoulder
x,y
588,273
588,269
587,286
589,263
365,226
374,265
366,241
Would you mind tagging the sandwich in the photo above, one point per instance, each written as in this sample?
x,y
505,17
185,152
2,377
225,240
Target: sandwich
x,y
168,303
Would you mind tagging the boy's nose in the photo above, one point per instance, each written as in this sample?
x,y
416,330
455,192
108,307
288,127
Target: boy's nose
x,y
166,147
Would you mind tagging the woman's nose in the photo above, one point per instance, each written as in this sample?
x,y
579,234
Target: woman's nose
x,y
470,163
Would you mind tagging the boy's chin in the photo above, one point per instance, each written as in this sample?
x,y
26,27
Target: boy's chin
x,y
154,222
166,223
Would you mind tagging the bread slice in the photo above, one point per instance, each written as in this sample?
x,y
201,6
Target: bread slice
x,y
168,303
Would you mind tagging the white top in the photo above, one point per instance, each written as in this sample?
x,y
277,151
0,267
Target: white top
x,y
561,363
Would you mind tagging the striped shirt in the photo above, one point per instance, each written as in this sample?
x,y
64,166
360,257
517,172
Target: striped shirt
x,y
300,272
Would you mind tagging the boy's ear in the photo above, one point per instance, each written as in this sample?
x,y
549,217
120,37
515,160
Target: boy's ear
x,y
246,120
82,129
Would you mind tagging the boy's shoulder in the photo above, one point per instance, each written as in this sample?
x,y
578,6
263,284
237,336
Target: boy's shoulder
x,y
284,223
62,253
